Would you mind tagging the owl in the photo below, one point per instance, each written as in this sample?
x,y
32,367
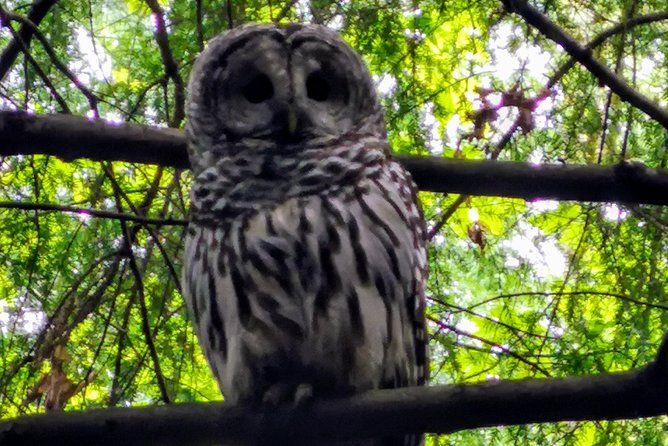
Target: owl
x,y
305,259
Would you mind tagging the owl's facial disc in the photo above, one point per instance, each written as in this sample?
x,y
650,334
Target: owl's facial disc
x,y
250,88
288,85
322,80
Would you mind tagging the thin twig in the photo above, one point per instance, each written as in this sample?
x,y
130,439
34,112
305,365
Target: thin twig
x,y
171,67
49,207
501,348
571,293
37,12
584,56
128,240
145,326
49,85
198,25
90,96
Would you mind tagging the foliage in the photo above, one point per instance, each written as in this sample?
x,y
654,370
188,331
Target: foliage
x,y
536,289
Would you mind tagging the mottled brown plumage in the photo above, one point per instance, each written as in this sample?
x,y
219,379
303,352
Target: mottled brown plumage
x,y
305,260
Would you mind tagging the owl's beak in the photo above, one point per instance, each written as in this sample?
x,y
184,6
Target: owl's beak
x,y
290,123
292,120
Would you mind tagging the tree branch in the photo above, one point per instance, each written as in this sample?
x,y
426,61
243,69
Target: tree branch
x,y
90,96
584,56
38,69
171,67
49,207
439,409
492,344
143,311
69,138
37,12
605,35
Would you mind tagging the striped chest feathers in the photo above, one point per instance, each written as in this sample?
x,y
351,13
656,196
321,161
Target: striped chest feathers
x,y
301,258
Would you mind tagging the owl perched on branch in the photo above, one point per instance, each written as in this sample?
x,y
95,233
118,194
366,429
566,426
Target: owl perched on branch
x,y
305,259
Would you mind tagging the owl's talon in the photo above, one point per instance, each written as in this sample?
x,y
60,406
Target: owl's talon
x,y
280,393
303,394
276,394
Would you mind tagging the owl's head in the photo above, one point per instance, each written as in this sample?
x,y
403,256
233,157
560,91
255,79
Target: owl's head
x,y
268,85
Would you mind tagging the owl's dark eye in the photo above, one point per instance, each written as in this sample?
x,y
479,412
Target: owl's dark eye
x,y
258,89
317,86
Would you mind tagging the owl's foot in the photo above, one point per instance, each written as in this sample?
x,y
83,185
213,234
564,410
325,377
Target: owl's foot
x,y
287,393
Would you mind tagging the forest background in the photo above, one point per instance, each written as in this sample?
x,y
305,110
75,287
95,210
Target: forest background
x,y
91,313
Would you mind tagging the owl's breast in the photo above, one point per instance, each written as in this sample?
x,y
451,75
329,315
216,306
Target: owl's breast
x,y
319,282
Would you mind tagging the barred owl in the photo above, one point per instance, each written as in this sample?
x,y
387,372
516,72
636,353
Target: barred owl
x,y
305,260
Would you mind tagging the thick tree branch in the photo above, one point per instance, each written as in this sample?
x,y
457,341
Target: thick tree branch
x,y
584,56
440,409
69,138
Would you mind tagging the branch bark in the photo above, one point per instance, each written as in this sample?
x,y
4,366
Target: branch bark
x,y
440,409
69,138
